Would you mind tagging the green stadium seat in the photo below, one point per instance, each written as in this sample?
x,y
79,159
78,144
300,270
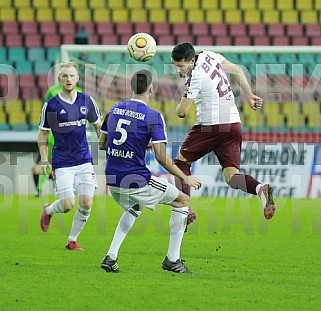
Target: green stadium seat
x,y
17,54
35,54
267,58
52,53
42,67
3,55
23,67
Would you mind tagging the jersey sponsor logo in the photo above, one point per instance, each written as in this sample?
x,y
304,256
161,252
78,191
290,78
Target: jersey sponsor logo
x,y
73,123
83,109
62,111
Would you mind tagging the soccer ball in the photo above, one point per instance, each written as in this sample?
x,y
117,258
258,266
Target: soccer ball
x,y
141,47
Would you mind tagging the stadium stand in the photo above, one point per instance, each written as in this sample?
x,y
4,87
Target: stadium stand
x,y
33,30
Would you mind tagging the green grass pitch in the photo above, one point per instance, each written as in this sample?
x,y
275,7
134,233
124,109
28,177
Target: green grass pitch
x,y
239,260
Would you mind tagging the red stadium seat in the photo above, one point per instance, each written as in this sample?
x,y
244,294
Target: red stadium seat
x,y
109,39
10,27
204,40
123,39
316,41
218,30
48,27
143,27
300,41
276,30
280,40
29,27
185,38
165,40
238,29
199,29
67,28
105,28
32,40
313,30
27,80
124,29
242,40
180,29
294,30
223,41
28,92
257,29
13,40
261,40
68,39
51,40
161,29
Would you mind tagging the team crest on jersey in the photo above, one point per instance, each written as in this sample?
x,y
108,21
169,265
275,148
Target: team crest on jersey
x,y
83,109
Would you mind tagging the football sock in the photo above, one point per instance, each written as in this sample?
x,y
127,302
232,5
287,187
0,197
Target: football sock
x,y
80,219
125,223
36,179
177,225
245,183
186,169
55,207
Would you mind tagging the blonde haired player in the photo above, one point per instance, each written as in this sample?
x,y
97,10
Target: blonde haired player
x,y
66,115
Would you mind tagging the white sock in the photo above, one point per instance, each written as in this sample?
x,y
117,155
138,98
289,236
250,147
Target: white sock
x,y
177,225
55,207
80,219
258,187
125,223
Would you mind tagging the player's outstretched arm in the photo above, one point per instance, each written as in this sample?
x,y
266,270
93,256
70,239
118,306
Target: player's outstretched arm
x,y
102,141
165,160
183,107
254,101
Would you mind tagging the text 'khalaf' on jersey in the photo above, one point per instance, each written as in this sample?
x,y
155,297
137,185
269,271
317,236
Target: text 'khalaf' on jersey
x,y
73,123
120,153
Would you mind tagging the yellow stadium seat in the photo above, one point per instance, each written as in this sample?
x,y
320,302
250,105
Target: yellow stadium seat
x,y
78,4
170,115
191,4
101,15
157,15
33,105
256,119
295,120
120,15
304,4
7,14
315,120
266,5
312,108
17,117
13,106
97,4
172,4
176,16
26,14
21,3
59,4
275,120
213,16
116,4
153,4
291,108
63,15
229,5
271,108
317,4
156,105
252,16
247,4
233,16
44,15
5,4
195,16
289,17
271,17
138,15
284,4
137,4
82,15
209,4
40,3
309,17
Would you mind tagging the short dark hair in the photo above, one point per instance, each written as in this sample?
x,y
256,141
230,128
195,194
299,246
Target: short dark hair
x,y
184,50
141,81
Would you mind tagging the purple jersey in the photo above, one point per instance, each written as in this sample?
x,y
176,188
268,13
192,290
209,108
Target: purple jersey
x,y
67,121
130,126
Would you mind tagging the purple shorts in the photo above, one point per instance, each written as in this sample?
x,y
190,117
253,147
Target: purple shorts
x,y
225,140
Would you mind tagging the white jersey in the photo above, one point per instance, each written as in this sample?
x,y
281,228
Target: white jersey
x,y
210,89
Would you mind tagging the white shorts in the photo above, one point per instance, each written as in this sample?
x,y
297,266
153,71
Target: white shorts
x,y
158,191
80,179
